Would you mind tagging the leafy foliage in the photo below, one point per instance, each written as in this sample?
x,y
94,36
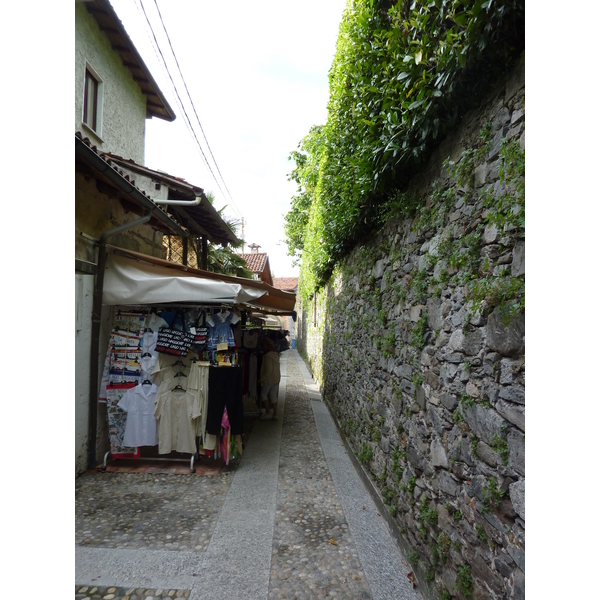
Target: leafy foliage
x,y
223,259
402,75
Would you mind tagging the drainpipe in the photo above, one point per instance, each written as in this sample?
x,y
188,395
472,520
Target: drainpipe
x,y
195,202
96,321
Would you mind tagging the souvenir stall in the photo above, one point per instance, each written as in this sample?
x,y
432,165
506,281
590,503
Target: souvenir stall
x,y
180,358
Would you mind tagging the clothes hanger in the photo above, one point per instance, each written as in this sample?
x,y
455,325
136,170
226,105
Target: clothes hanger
x,y
147,382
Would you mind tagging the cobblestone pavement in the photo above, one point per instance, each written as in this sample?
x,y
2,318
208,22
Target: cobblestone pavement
x,y
144,536
314,555
152,511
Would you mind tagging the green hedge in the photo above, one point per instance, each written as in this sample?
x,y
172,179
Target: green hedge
x,y
402,75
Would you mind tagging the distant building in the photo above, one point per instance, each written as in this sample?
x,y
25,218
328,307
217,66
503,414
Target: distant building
x,y
288,284
258,263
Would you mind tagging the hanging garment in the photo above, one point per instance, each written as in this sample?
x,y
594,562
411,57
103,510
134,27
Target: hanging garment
x,y
198,385
175,411
141,428
238,335
168,373
117,418
149,355
225,391
225,437
220,332
154,322
251,337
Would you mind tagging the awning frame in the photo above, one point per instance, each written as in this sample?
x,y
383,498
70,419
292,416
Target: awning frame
x,y
274,301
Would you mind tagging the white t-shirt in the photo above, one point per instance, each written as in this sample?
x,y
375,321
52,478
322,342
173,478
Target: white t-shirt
x,y
141,428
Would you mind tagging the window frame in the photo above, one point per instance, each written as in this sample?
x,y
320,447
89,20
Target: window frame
x,y
92,122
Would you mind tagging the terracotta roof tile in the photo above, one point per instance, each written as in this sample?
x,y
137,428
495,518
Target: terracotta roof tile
x,y
285,283
256,261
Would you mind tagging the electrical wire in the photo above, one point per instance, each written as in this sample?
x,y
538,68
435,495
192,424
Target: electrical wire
x,y
179,98
192,103
173,99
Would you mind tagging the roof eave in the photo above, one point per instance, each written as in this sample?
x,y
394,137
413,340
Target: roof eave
x,y
163,110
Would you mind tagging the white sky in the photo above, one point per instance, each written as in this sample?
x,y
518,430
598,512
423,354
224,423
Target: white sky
x,y
257,74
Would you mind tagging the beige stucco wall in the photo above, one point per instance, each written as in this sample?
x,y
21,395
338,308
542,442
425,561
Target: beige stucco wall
x,y
124,105
96,212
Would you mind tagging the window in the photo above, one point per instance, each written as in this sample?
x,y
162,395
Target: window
x,y
92,101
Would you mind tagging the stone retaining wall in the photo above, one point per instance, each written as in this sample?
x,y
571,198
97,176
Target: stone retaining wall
x,y
418,348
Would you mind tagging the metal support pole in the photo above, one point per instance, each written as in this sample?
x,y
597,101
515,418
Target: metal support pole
x,y
95,348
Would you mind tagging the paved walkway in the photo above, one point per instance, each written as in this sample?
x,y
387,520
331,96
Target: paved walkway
x,y
290,520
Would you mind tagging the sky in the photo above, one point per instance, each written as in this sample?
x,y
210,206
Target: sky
x,y
257,75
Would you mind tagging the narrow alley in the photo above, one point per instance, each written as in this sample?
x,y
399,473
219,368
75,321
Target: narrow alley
x,y
291,519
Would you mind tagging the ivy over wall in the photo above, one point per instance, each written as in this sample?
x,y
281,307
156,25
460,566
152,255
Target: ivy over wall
x,y
403,75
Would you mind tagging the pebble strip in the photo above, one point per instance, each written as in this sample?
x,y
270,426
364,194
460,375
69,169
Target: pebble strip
x,y
314,555
87,592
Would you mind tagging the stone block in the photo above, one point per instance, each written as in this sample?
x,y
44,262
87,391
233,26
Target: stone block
x,y
513,414
420,396
517,554
486,454
517,116
416,312
513,393
516,80
507,339
519,584
438,454
518,263
495,145
449,579
456,341
446,483
379,268
517,497
484,422
516,448
440,424
501,118
479,175
472,390
491,234
449,401
415,458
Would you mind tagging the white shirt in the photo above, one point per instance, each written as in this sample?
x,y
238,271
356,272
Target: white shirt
x,y
175,411
141,428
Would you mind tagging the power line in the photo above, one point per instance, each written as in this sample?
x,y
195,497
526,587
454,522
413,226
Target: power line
x,y
179,98
192,103
165,70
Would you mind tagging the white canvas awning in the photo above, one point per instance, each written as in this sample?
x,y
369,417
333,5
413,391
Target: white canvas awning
x,y
131,281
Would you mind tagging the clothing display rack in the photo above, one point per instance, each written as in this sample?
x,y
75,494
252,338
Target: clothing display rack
x,y
145,389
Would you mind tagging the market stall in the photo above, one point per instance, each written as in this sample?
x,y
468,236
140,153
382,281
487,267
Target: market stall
x,y
182,356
